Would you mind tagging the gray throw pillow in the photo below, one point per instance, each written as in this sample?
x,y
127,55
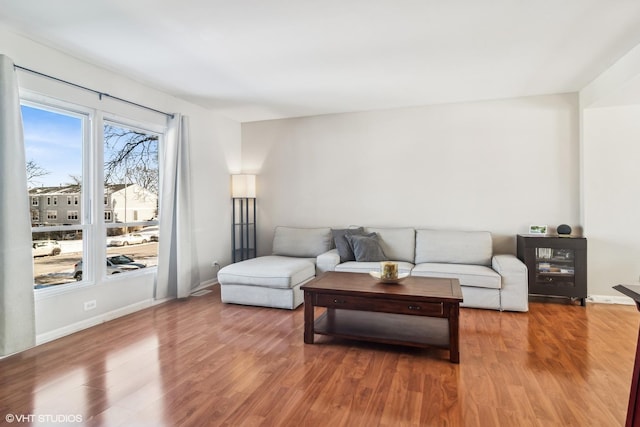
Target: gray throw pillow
x,y
366,248
342,245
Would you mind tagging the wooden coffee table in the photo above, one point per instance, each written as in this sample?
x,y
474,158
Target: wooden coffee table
x,y
419,311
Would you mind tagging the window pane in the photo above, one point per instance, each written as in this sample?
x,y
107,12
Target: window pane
x,y
137,249
53,146
130,174
131,198
55,257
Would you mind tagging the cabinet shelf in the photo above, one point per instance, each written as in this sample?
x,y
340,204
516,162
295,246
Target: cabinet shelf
x,y
557,265
555,273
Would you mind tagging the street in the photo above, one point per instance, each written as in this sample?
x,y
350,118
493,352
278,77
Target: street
x,y
57,270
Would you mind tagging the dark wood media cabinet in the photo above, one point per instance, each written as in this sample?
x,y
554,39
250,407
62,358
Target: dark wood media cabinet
x,y
557,265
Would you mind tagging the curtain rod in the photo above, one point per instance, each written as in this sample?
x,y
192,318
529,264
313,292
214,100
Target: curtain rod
x,y
97,92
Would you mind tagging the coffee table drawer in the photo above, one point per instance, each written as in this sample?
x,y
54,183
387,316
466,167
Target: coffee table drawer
x,y
433,309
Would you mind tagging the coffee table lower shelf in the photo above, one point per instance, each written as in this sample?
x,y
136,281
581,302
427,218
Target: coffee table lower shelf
x,y
386,328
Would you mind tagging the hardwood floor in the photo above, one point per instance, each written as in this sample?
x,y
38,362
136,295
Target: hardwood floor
x,y
203,363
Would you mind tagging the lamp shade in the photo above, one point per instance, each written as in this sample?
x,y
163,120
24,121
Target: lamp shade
x,y
243,186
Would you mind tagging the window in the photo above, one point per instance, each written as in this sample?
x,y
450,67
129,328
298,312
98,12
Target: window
x,y
54,147
131,177
62,161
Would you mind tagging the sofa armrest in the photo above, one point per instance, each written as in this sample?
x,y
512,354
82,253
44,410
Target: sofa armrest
x,y
504,264
514,294
327,261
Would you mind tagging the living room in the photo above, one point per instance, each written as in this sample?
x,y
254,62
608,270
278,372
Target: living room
x,y
498,162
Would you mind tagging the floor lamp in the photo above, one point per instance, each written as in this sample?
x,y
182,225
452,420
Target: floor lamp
x,y
243,227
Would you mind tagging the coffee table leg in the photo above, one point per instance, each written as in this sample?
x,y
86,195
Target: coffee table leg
x,y
454,345
308,318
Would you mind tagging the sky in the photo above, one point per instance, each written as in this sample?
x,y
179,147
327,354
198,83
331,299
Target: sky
x,y
54,142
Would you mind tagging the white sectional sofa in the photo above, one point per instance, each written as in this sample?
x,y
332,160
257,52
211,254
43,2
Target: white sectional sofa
x,y
488,281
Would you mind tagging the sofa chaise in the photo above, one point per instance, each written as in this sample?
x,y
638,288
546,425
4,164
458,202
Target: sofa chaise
x,y
274,280
487,281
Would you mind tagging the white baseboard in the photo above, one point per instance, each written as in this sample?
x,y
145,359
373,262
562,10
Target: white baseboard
x,y
206,284
93,321
608,299
202,285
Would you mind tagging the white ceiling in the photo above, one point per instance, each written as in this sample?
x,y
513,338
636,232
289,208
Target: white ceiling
x,y
266,59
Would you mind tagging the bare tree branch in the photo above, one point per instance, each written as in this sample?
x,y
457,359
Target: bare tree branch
x,y
131,157
76,181
34,171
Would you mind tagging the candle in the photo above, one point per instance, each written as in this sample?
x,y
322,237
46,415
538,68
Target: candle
x,y
388,270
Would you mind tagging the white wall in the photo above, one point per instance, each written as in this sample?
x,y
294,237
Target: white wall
x,y
612,196
610,110
215,146
618,85
610,174
497,166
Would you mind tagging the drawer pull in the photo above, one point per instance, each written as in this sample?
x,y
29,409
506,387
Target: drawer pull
x,y
414,307
339,301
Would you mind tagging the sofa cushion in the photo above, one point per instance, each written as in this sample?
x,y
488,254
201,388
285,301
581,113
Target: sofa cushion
x,y
301,242
366,248
477,276
342,245
271,271
398,244
365,267
455,247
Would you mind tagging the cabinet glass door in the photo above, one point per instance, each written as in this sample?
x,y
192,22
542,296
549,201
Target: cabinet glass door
x,y
555,266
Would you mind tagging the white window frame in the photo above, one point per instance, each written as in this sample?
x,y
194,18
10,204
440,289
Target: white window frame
x,y
92,209
39,101
140,127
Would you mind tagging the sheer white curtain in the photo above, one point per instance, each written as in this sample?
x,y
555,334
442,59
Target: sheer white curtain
x,y
17,312
178,271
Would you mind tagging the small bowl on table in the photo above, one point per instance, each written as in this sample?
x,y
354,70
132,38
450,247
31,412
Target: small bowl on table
x,y
398,279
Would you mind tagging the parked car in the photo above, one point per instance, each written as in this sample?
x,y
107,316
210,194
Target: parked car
x,y
128,239
46,247
112,268
119,260
150,232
